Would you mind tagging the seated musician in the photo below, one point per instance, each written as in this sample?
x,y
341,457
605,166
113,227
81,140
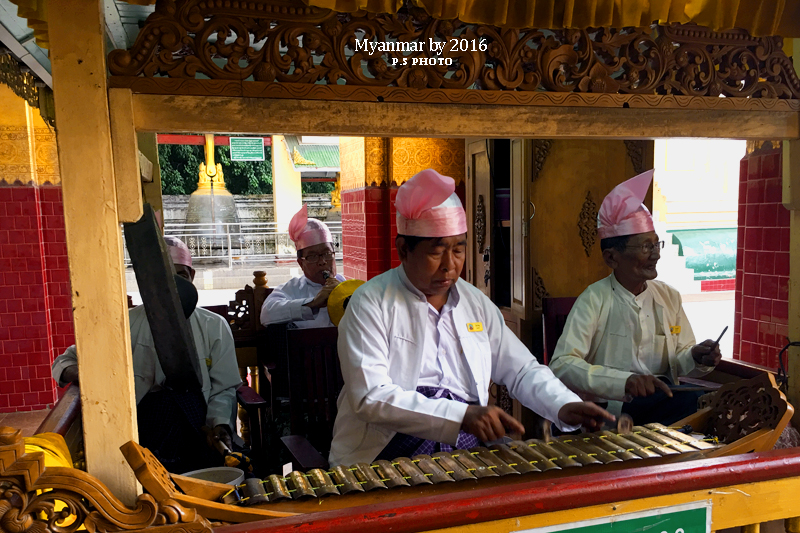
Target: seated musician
x,y
418,347
627,338
303,300
170,424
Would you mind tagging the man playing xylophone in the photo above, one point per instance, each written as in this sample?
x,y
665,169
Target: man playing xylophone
x,y
627,336
418,347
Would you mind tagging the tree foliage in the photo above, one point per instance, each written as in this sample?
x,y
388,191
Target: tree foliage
x,y
180,167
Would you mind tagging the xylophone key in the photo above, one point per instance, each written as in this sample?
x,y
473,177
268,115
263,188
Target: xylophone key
x,y
322,482
573,452
476,466
611,447
685,439
452,467
411,471
299,486
638,438
389,474
557,456
278,489
345,480
645,451
493,462
513,459
432,470
367,477
533,455
663,440
582,443
254,492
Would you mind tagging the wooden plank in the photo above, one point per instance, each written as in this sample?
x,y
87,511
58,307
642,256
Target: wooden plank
x,y
181,114
126,156
94,242
172,334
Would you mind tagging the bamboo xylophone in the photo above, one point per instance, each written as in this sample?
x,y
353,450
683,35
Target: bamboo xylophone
x,y
533,456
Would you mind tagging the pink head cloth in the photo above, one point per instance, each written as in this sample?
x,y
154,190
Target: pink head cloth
x,y
306,231
622,211
178,251
427,206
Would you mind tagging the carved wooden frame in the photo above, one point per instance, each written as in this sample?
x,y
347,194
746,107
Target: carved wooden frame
x,y
30,492
285,49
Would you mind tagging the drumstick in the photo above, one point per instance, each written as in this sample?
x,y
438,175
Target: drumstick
x,y
716,343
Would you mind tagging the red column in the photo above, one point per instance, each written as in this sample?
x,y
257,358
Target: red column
x,y
35,302
762,261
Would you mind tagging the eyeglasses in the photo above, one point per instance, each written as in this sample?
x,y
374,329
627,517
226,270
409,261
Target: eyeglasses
x,y
313,258
648,247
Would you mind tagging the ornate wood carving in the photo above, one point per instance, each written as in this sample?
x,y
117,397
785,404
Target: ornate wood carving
x,y
480,223
587,223
739,409
305,46
635,151
86,501
539,290
27,86
541,148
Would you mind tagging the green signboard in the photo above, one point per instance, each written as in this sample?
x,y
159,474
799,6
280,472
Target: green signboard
x,y
247,148
685,518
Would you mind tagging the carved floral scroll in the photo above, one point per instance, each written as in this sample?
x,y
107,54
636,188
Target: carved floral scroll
x,y
59,500
247,48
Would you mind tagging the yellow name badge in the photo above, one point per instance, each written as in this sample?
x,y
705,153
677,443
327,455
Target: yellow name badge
x,y
474,327
675,330
208,362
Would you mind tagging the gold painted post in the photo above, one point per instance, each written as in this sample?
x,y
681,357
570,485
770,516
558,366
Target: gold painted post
x,y
94,241
791,201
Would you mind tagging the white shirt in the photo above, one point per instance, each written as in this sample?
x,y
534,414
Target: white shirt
x,y
600,346
382,341
215,350
638,315
443,363
287,303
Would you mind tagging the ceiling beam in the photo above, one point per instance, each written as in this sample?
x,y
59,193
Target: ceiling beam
x,y
23,55
114,28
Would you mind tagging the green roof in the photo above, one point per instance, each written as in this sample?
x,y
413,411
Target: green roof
x,y
312,156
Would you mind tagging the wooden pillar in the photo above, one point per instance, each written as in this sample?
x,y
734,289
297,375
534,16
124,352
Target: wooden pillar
x,y
791,201
94,242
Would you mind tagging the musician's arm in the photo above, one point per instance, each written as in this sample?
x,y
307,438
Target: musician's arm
x,y
364,346
528,381
280,307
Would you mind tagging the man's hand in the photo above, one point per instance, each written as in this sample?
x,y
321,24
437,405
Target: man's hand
x,y
70,374
645,385
707,353
321,299
219,436
489,423
585,414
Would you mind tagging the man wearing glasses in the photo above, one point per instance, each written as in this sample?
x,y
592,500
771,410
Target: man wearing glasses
x,y
303,300
627,339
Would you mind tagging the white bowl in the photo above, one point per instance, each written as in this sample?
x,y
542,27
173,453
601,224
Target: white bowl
x,y
218,474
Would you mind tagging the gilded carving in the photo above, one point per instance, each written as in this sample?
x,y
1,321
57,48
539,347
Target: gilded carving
x,y
352,162
541,148
587,223
376,154
539,290
635,151
480,223
15,161
410,155
30,494
309,46
27,86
